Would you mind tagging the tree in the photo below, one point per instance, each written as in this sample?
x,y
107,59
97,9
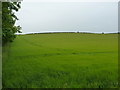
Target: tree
x,y
8,21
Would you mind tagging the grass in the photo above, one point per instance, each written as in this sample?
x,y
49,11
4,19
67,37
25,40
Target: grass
x,y
61,60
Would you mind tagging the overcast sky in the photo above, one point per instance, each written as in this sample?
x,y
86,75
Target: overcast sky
x,y
68,16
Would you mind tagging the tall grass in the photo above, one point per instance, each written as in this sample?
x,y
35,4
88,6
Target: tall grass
x,y
65,60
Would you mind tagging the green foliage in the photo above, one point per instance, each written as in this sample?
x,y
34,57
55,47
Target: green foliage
x,y
61,61
8,21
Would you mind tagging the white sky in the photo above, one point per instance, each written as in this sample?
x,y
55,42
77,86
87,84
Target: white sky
x,y
71,0
61,15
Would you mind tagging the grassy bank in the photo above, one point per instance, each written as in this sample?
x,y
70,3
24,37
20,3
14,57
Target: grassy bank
x,y
63,60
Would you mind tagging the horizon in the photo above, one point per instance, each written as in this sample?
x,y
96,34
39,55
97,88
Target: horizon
x,y
67,32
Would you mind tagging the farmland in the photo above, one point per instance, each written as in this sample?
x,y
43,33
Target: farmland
x,y
61,60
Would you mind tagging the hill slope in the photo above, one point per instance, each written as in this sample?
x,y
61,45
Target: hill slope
x,y
63,60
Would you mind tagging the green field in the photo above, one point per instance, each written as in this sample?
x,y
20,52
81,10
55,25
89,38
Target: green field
x,y
61,60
